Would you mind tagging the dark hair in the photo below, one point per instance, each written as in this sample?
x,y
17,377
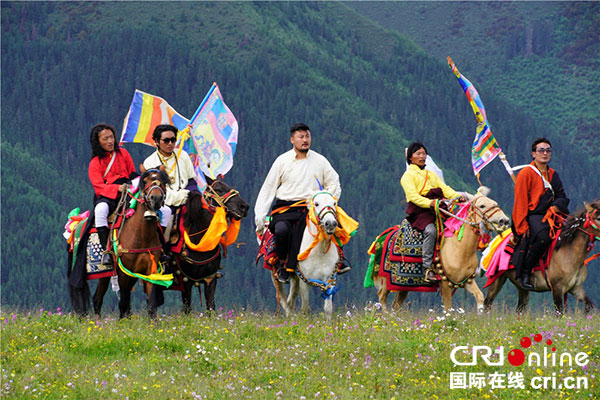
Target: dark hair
x,y
97,150
413,148
156,135
298,127
538,141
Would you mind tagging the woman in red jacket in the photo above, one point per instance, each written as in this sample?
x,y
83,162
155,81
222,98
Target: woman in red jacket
x,y
109,170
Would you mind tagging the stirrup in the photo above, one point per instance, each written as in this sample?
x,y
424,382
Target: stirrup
x,y
107,259
427,277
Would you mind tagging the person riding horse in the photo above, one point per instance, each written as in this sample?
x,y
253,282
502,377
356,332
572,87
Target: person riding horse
x,y
422,189
293,178
110,168
539,194
180,169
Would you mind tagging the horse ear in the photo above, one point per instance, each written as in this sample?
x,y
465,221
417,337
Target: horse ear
x,y
142,169
162,167
588,207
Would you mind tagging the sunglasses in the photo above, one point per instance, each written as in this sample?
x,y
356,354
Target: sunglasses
x,y
548,150
169,140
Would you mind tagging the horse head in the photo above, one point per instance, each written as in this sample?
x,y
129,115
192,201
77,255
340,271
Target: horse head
x,y
487,211
592,217
153,183
218,193
324,206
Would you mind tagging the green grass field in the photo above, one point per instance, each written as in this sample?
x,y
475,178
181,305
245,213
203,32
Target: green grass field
x,y
359,354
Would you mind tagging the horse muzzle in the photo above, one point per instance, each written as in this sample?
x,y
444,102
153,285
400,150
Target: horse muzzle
x,y
329,225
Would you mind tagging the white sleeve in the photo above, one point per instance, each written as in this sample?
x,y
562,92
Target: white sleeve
x,y
266,195
331,181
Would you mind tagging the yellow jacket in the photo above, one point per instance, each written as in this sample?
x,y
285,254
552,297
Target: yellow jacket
x,y
416,182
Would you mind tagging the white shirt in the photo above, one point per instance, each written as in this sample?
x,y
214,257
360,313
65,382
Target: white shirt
x,y
180,174
294,179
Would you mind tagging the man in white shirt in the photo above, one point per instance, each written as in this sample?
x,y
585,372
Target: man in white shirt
x,y
179,167
294,176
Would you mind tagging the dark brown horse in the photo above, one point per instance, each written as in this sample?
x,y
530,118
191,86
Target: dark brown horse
x,y
196,268
138,244
567,270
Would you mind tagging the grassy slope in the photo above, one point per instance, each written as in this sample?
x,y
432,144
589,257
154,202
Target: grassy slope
x,y
238,354
473,34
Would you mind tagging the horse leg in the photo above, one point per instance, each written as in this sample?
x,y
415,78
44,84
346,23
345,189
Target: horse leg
x,y
209,294
304,288
493,291
557,295
472,288
382,294
399,300
99,295
293,294
280,296
580,295
446,295
186,298
125,284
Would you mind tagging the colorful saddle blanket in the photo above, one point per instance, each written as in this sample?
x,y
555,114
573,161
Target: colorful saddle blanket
x,y
75,230
496,258
266,250
397,255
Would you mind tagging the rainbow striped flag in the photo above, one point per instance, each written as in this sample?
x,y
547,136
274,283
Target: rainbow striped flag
x,y
213,135
145,113
485,148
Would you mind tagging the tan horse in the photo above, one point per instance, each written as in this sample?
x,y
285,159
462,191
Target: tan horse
x,y
459,258
567,271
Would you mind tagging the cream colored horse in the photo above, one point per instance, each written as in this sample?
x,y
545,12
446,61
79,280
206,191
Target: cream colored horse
x,y
459,258
320,267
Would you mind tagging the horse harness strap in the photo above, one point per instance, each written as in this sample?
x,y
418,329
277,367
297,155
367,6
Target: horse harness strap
x,y
121,250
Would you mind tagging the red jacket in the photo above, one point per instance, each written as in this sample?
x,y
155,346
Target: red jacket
x,y
529,188
122,167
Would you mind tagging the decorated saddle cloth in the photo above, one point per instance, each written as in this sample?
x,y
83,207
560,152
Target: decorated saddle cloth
x,y
266,250
397,255
496,258
83,243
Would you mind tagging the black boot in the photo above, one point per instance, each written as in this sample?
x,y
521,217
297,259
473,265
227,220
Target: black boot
x,y
282,275
344,266
525,282
107,257
165,257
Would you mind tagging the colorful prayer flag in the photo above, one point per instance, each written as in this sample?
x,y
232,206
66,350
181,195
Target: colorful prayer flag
x,y
485,148
213,135
145,113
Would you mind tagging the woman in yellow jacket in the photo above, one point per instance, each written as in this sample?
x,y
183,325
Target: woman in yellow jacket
x,y
422,188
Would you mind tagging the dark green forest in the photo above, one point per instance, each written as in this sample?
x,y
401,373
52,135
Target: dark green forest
x,y
365,91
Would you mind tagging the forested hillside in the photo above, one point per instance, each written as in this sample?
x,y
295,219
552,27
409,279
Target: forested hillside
x,y
364,91
541,56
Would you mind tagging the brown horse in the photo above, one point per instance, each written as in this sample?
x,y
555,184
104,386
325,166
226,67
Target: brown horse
x,y
567,270
458,257
139,247
194,268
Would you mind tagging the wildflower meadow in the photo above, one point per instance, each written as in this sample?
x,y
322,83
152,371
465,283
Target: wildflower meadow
x,y
361,353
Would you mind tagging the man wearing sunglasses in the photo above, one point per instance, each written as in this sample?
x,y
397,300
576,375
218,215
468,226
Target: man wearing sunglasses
x,y
181,174
539,196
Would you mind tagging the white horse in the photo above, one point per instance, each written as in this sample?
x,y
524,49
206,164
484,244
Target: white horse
x,y
318,257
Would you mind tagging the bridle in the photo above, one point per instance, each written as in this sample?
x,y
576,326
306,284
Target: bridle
x,y
325,210
152,185
484,216
213,199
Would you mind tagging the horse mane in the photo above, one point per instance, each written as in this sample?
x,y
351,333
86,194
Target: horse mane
x,y
192,219
572,225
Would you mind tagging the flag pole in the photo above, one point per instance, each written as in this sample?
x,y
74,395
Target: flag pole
x,y
507,166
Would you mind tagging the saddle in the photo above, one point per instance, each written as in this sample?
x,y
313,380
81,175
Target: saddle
x,y
397,255
76,230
